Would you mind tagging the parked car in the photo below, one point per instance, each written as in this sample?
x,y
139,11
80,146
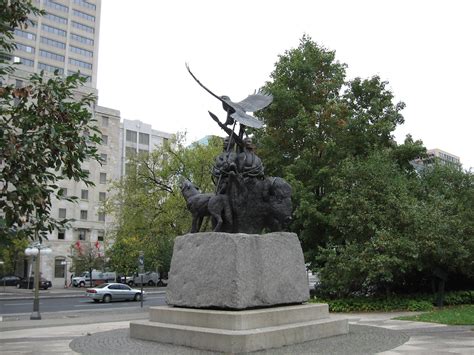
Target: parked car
x,y
150,278
98,277
10,280
114,292
29,283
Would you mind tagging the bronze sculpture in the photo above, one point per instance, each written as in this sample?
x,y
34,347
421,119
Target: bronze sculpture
x,y
257,203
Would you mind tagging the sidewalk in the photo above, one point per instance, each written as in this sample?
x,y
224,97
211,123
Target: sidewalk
x,y
110,331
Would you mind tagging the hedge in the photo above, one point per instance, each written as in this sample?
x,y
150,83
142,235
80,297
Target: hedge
x,y
420,302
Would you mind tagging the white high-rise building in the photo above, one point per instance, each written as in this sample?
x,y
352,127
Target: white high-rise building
x,y
66,40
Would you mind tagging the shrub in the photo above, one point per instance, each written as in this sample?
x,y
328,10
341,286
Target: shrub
x,y
418,306
418,302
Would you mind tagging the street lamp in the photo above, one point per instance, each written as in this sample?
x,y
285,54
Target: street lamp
x,y
64,262
4,276
35,250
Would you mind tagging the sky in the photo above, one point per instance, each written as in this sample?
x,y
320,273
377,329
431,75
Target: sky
x,y
424,49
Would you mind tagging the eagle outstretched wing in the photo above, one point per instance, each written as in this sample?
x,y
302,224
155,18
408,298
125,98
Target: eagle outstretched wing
x,y
251,103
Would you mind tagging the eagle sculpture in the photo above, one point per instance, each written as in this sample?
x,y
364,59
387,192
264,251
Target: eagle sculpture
x,y
237,111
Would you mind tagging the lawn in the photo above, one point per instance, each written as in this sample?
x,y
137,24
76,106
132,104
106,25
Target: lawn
x,y
455,315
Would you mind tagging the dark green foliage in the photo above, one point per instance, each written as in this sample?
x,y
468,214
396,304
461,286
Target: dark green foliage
x,y
317,120
369,223
419,302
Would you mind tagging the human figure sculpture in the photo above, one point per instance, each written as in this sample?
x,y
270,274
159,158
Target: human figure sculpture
x,y
249,164
225,163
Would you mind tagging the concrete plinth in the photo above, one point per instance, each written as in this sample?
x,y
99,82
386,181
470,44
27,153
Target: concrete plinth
x,y
237,271
238,331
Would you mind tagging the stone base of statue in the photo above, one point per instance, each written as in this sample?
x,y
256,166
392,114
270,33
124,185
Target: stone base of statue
x,y
238,293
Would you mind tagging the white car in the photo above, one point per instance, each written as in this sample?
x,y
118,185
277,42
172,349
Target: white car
x,y
114,292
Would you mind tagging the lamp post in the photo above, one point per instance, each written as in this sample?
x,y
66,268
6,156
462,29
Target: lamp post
x,y
64,262
35,251
4,276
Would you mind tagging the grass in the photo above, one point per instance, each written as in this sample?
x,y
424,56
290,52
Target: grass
x,y
455,315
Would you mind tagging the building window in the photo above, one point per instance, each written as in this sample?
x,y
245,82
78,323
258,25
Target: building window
x,y
81,234
131,136
25,34
84,194
85,4
55,18
55,5
24,48
27,62
103,157
62,213
80,63
100,235
50,55
103,178
105,139
84,215
101,216
50,68
59,267
82,39
102,196
83,15
81,51
105,121
144,138
61,234
63,192
52,42
54,30
82,27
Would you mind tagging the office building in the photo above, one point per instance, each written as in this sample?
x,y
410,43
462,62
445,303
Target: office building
x,y
66,40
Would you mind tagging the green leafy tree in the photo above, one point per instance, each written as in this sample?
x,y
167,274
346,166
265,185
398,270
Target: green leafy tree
x,y
46,132
372,242
149,208
446,225
11,253
318,119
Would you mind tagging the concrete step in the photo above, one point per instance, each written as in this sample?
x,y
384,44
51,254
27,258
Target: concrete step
x,y
239,331
235,341
239,320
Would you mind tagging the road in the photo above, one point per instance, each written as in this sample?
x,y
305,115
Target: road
x,y
73,303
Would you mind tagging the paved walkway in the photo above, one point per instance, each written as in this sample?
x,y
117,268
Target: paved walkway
x,y
54,333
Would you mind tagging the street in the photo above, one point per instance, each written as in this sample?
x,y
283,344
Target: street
x,y
73,303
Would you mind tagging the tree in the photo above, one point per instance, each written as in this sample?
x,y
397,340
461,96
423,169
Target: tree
x,y
46,132
318,119
148,206
372,227
446,225
87,257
